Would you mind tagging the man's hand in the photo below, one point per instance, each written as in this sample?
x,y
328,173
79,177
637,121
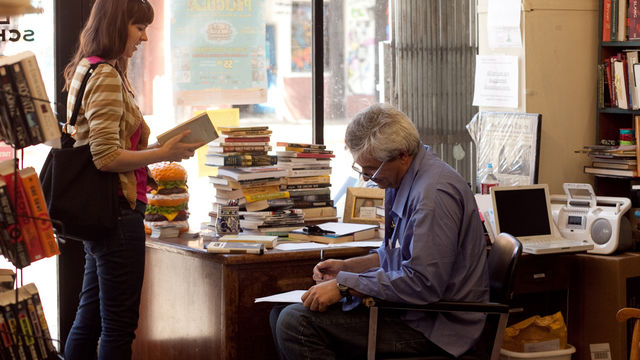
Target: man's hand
x,y
327,270
319,297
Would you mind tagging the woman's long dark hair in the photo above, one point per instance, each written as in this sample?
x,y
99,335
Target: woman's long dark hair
x,y
106,32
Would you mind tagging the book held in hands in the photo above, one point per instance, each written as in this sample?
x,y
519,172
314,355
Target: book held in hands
x,y
201,127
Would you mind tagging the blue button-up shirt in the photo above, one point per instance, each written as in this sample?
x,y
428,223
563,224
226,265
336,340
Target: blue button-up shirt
x,y
433,250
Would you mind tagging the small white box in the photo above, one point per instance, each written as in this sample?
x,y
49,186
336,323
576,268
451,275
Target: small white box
x,y
564,354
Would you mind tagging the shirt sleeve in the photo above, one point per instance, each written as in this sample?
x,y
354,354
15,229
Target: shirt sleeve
x,y
104,107
418,270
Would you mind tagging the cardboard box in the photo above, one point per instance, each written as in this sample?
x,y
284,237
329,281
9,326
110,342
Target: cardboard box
x,y
599,290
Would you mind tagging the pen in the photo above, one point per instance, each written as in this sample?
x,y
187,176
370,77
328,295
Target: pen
x,y
321,260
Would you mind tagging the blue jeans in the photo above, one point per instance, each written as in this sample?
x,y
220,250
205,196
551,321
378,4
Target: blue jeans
x,y
335,334
110,297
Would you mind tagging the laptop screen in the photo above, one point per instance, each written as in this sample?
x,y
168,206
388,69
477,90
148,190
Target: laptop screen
x,y
522,211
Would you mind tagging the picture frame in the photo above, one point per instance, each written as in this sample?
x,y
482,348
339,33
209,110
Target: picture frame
x,y
360,205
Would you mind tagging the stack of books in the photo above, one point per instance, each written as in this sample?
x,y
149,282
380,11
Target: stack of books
x,y
309,179
607,160
277,222
241,146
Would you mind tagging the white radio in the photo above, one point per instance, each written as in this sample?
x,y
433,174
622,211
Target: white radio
x,y
580,214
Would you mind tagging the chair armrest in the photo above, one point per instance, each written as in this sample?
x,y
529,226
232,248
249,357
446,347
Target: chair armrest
x,y
440,306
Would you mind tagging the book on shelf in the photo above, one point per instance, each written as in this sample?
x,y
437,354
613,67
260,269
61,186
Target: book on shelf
x,y
611,172
15,123
608,72
612,165
251,173
26,106
7,279
632,60
18,198
201,127
633,20
268,241
622,20
16,248
620,82
38,207
606,20
342,232
614,20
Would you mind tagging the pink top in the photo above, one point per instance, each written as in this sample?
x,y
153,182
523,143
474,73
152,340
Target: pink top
x,y
141,173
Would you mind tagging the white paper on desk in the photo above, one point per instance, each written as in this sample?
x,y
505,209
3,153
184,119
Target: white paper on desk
x,y
366,243
293,296
300,246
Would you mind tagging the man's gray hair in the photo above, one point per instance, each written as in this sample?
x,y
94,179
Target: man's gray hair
x,y
383,131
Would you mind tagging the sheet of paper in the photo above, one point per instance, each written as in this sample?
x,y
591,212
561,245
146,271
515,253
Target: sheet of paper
x,y
503,24
496,81
300,246
285,297
366,243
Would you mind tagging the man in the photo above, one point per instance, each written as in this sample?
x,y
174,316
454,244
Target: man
x,y
433,250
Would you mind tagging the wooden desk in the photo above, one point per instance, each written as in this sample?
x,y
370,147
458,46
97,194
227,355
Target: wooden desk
x,y
197,305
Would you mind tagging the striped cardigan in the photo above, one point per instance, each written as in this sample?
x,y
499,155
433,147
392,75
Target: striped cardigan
x,y
107,118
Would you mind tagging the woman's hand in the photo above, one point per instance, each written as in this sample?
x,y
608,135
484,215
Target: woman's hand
x,y
319,297
327,270
176,150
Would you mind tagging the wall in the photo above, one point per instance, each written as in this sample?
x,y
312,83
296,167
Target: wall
x,y
557,67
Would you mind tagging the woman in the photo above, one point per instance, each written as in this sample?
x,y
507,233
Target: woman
x,y
111,122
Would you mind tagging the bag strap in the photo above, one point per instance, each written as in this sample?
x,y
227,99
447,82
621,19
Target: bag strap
x,y
83,85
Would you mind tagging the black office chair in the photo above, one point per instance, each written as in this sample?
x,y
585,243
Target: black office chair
x,y
503,258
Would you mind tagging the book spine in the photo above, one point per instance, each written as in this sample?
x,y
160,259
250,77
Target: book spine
x,y
40,345
268,196
622,20
17,246
11,319
636,126
308,204
43,322
8,347
23,214
26,329
609,78
606,20
47,120
15,122
633,18
38,207
26,103
614,19
312,172
233,148
246,139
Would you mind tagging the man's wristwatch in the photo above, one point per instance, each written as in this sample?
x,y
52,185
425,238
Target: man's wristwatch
x,y
344,291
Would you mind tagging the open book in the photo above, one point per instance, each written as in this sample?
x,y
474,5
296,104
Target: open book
x,y
201,127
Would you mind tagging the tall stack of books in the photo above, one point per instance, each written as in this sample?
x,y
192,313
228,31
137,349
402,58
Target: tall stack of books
x,y
309,179
249,177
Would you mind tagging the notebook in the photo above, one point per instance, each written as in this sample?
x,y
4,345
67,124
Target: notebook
x,y
525,212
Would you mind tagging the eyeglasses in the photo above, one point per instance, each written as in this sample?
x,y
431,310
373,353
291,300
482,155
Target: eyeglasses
x,y
357,168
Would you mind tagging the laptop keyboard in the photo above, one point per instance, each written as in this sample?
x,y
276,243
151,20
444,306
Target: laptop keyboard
x,y
540,244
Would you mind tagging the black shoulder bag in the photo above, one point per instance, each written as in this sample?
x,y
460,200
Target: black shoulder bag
x,y
82,200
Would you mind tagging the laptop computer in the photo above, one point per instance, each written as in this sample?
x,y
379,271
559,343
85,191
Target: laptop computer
x,y
525,212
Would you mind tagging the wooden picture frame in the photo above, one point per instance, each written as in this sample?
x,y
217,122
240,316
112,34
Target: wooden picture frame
x,y
356,198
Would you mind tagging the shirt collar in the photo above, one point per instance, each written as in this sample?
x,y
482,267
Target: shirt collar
x,y
403,191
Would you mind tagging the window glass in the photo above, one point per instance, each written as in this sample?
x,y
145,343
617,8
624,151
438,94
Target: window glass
x,y
34,32
162,72
354,30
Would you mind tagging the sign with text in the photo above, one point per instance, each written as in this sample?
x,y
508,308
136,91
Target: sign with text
x,y
218,52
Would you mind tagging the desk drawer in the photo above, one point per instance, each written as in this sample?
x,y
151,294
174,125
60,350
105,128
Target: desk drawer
x,y
541,273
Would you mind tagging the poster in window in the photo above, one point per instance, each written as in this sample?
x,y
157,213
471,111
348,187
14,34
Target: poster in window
x,y
218,52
